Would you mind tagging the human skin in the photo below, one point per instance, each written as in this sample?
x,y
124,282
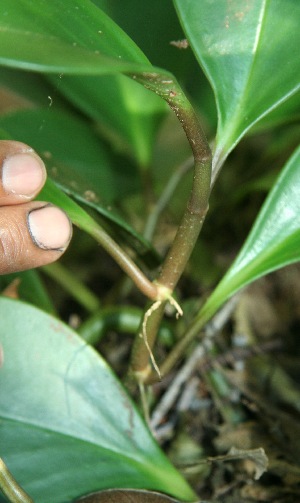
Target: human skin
x,y
32,233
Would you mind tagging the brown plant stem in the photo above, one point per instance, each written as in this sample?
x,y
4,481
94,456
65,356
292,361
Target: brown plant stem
x,y
192,220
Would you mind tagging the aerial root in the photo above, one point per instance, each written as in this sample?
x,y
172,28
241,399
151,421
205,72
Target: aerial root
x,y
143,334
147,315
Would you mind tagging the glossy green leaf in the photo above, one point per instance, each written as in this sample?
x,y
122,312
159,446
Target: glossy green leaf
x,y
73,36
67,426
247,50
83,40
287,112
273,242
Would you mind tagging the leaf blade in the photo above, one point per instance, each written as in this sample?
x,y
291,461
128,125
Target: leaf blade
x,y
84,41
33,37
273,242
67,402
250,76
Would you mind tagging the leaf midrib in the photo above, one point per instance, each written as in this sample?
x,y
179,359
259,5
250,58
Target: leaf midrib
x,y
242,99
32,424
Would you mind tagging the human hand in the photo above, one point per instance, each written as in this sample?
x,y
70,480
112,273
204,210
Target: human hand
x,y
32,233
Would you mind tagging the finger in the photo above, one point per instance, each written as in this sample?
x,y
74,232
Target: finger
x,y
22,173
31,235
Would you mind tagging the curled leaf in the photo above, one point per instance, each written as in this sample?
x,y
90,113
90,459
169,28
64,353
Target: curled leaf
x,y
258,456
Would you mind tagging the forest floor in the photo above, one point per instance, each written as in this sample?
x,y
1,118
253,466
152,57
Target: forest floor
x,y
230,422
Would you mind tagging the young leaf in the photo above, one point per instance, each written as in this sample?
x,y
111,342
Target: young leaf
x,y
247,50
274,241
67,426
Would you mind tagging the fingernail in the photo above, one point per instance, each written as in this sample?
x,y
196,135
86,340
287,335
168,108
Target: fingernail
x,y
50,228
23,174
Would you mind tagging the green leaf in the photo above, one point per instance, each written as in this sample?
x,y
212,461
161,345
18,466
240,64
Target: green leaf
x,y
67,426
273,242
248,54
83,40
289,111
73,36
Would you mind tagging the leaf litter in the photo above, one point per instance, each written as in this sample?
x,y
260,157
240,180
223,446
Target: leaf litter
x,y
233,426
